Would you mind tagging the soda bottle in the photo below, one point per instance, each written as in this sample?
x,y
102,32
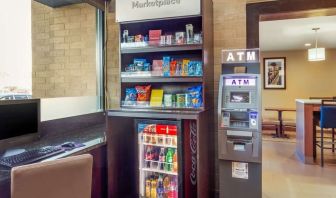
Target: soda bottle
x,y
153,188
160,189
162,159
148,188
148,156
169,160
175,161
172,193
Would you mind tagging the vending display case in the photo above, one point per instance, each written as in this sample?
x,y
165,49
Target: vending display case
x,y
160,158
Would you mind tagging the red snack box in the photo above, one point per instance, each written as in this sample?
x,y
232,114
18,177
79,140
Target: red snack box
x,y
155,35
166,129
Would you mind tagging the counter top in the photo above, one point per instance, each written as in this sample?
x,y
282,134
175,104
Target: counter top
x,y
92,137
162,114
308,101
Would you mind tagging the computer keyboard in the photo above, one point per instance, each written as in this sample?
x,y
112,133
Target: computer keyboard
x,y
30,156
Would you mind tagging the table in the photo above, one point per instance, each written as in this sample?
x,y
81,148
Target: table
x,y
280,110
305,110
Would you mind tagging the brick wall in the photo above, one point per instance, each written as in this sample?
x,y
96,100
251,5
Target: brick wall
x,y
113,71
64,50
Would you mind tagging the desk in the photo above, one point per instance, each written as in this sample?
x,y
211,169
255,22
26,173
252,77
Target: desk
x,y
95,144
280,110
304,128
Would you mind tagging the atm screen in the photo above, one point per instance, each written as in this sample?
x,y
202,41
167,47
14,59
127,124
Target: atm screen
x,y
240,97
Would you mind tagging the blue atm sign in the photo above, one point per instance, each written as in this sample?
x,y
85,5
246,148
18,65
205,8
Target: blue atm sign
x,y
240,82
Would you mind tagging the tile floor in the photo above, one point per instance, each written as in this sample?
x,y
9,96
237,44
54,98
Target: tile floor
x,y
285,177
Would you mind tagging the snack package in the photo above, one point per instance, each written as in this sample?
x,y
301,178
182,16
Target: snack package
x,y
191,68
178,68
131,96
184,69
146,67
195,94
173,68
143,93
157,67
166,66
198,68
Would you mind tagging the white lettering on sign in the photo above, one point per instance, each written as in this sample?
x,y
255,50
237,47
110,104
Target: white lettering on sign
x,y
135,10
155,3
193,147
240,82
240,56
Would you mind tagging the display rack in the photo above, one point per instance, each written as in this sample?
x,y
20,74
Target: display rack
x,y
197,123
174,84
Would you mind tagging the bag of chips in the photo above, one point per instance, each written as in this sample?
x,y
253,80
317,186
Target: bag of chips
x,y
166,66
195,94
131,96
143,93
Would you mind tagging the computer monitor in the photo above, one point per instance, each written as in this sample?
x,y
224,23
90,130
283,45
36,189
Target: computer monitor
x,y
19,121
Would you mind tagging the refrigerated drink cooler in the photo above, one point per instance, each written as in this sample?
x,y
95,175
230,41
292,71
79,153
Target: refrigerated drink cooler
x,y
160,158
239,136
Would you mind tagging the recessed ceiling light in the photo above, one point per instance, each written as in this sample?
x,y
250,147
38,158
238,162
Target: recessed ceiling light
x,y
308,44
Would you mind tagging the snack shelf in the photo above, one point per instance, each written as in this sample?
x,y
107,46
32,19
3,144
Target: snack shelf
x,y
160,48
145,105
161,79
159,171
160,145
160,140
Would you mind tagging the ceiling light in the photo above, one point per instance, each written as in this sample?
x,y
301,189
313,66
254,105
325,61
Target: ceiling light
x,y
316,54
308,44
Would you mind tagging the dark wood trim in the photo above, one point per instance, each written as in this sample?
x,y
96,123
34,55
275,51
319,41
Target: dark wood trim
x,y
255,10
264,69
298,14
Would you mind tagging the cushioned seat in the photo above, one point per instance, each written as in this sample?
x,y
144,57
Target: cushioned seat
x,y
64,178
327,121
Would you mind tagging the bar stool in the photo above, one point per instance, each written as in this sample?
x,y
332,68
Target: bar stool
x,y
327,121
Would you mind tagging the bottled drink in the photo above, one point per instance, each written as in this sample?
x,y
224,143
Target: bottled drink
x,y
153,188
149,156
172,193
148,188
160,189
175,161
169,160
162,159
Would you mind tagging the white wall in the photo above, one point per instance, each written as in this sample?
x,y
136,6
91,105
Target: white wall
x,y
56,108
15,43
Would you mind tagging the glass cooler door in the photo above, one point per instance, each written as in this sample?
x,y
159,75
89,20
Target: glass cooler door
x,y
159,159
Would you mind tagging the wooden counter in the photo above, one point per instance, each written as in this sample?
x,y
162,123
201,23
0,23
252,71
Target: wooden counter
x,y
304,128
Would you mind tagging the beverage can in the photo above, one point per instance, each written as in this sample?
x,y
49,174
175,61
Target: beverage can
x,y
180,100
168,100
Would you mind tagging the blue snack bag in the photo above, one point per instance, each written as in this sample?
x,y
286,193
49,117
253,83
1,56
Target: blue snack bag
x,y
166,66
195,95
191,68
131,95
198,68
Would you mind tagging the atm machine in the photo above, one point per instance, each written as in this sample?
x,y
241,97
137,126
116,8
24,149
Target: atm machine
x,y
239,136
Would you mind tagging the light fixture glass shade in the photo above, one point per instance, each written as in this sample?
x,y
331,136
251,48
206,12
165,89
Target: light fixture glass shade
x,y
316,54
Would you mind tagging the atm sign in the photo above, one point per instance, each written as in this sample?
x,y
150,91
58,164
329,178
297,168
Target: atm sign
x,y
240,82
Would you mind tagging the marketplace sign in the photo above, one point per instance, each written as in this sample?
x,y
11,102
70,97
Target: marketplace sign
x,y
135,10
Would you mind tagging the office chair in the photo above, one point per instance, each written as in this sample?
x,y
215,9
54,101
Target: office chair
x,y
327,120
64,178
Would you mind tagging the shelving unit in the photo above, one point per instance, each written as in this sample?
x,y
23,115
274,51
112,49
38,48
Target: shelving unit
x,y
196,123
161,48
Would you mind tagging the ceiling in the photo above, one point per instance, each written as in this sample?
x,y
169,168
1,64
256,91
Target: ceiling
x,y
292,34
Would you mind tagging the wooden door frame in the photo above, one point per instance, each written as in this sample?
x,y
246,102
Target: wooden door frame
x,y
282,9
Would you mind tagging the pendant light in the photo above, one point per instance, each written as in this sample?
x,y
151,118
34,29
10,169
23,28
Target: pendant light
x,y
316,54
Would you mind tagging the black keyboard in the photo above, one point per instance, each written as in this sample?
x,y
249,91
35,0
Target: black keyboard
x,y
30,156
